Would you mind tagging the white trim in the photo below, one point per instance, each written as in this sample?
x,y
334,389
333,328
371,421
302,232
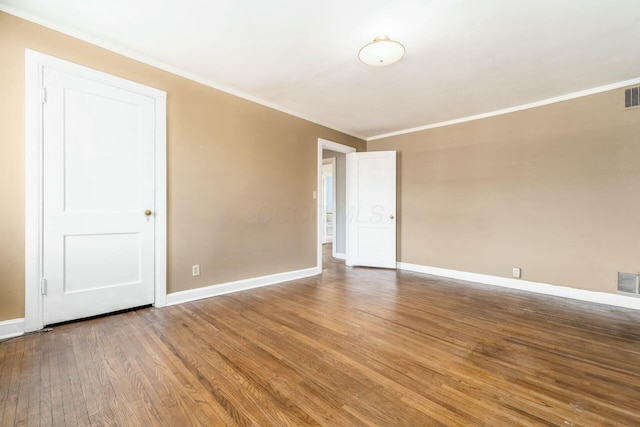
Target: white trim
x,y
160,261
239,285
11,328
324,144
187,75
34,65
536,104
340,255
524,285
334,146
33,316
165,67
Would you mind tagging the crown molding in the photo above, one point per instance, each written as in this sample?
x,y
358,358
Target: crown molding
x,y
168,68
229,90
536,104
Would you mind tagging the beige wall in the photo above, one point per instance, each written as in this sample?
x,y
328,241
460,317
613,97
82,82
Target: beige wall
x,y
236,172
554,190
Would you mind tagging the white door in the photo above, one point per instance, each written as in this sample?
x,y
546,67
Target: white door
x,y
371,214
98,241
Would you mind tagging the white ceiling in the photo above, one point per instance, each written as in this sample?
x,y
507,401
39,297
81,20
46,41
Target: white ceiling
x,y
464,57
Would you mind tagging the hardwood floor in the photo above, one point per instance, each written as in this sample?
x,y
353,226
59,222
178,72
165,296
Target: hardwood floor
x,y
353,347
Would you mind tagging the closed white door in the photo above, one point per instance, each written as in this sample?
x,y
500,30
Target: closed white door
x,y
98,180
371,214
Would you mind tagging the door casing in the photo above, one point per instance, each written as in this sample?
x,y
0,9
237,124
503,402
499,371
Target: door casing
x,y
35,96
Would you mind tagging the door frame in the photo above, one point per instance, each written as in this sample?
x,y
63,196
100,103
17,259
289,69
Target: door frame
x,y
35,96
324,144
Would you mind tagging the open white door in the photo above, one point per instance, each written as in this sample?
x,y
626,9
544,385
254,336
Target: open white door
x,y
371,212
99,203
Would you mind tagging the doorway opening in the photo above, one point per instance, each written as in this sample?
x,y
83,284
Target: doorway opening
x,y
332,216
328,199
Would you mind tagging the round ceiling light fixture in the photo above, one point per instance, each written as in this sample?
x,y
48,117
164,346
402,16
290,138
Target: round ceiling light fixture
x,y
381,52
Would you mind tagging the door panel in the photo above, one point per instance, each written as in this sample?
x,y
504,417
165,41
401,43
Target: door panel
x,y
96,147
98,181
101,260
371,222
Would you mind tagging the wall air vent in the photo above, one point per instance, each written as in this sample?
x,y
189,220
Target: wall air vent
x,y
629,283
632,97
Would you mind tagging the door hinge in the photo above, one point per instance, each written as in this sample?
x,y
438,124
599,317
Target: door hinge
x,y
43,95
43,286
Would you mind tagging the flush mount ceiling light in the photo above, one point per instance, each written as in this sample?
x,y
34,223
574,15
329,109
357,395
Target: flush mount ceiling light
x,y
382,51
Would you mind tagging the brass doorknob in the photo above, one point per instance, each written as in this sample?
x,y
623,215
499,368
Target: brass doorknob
x,y
147,212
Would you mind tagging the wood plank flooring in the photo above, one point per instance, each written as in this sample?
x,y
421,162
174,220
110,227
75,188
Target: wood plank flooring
x,y
353,347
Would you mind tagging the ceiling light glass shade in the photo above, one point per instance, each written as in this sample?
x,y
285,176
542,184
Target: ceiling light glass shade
x,y
381,52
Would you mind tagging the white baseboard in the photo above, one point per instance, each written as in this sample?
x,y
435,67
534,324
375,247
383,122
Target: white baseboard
x,y
239,285
524,285
340,256
11,328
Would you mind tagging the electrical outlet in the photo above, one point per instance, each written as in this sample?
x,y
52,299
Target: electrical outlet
x,y
195,270
516,272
